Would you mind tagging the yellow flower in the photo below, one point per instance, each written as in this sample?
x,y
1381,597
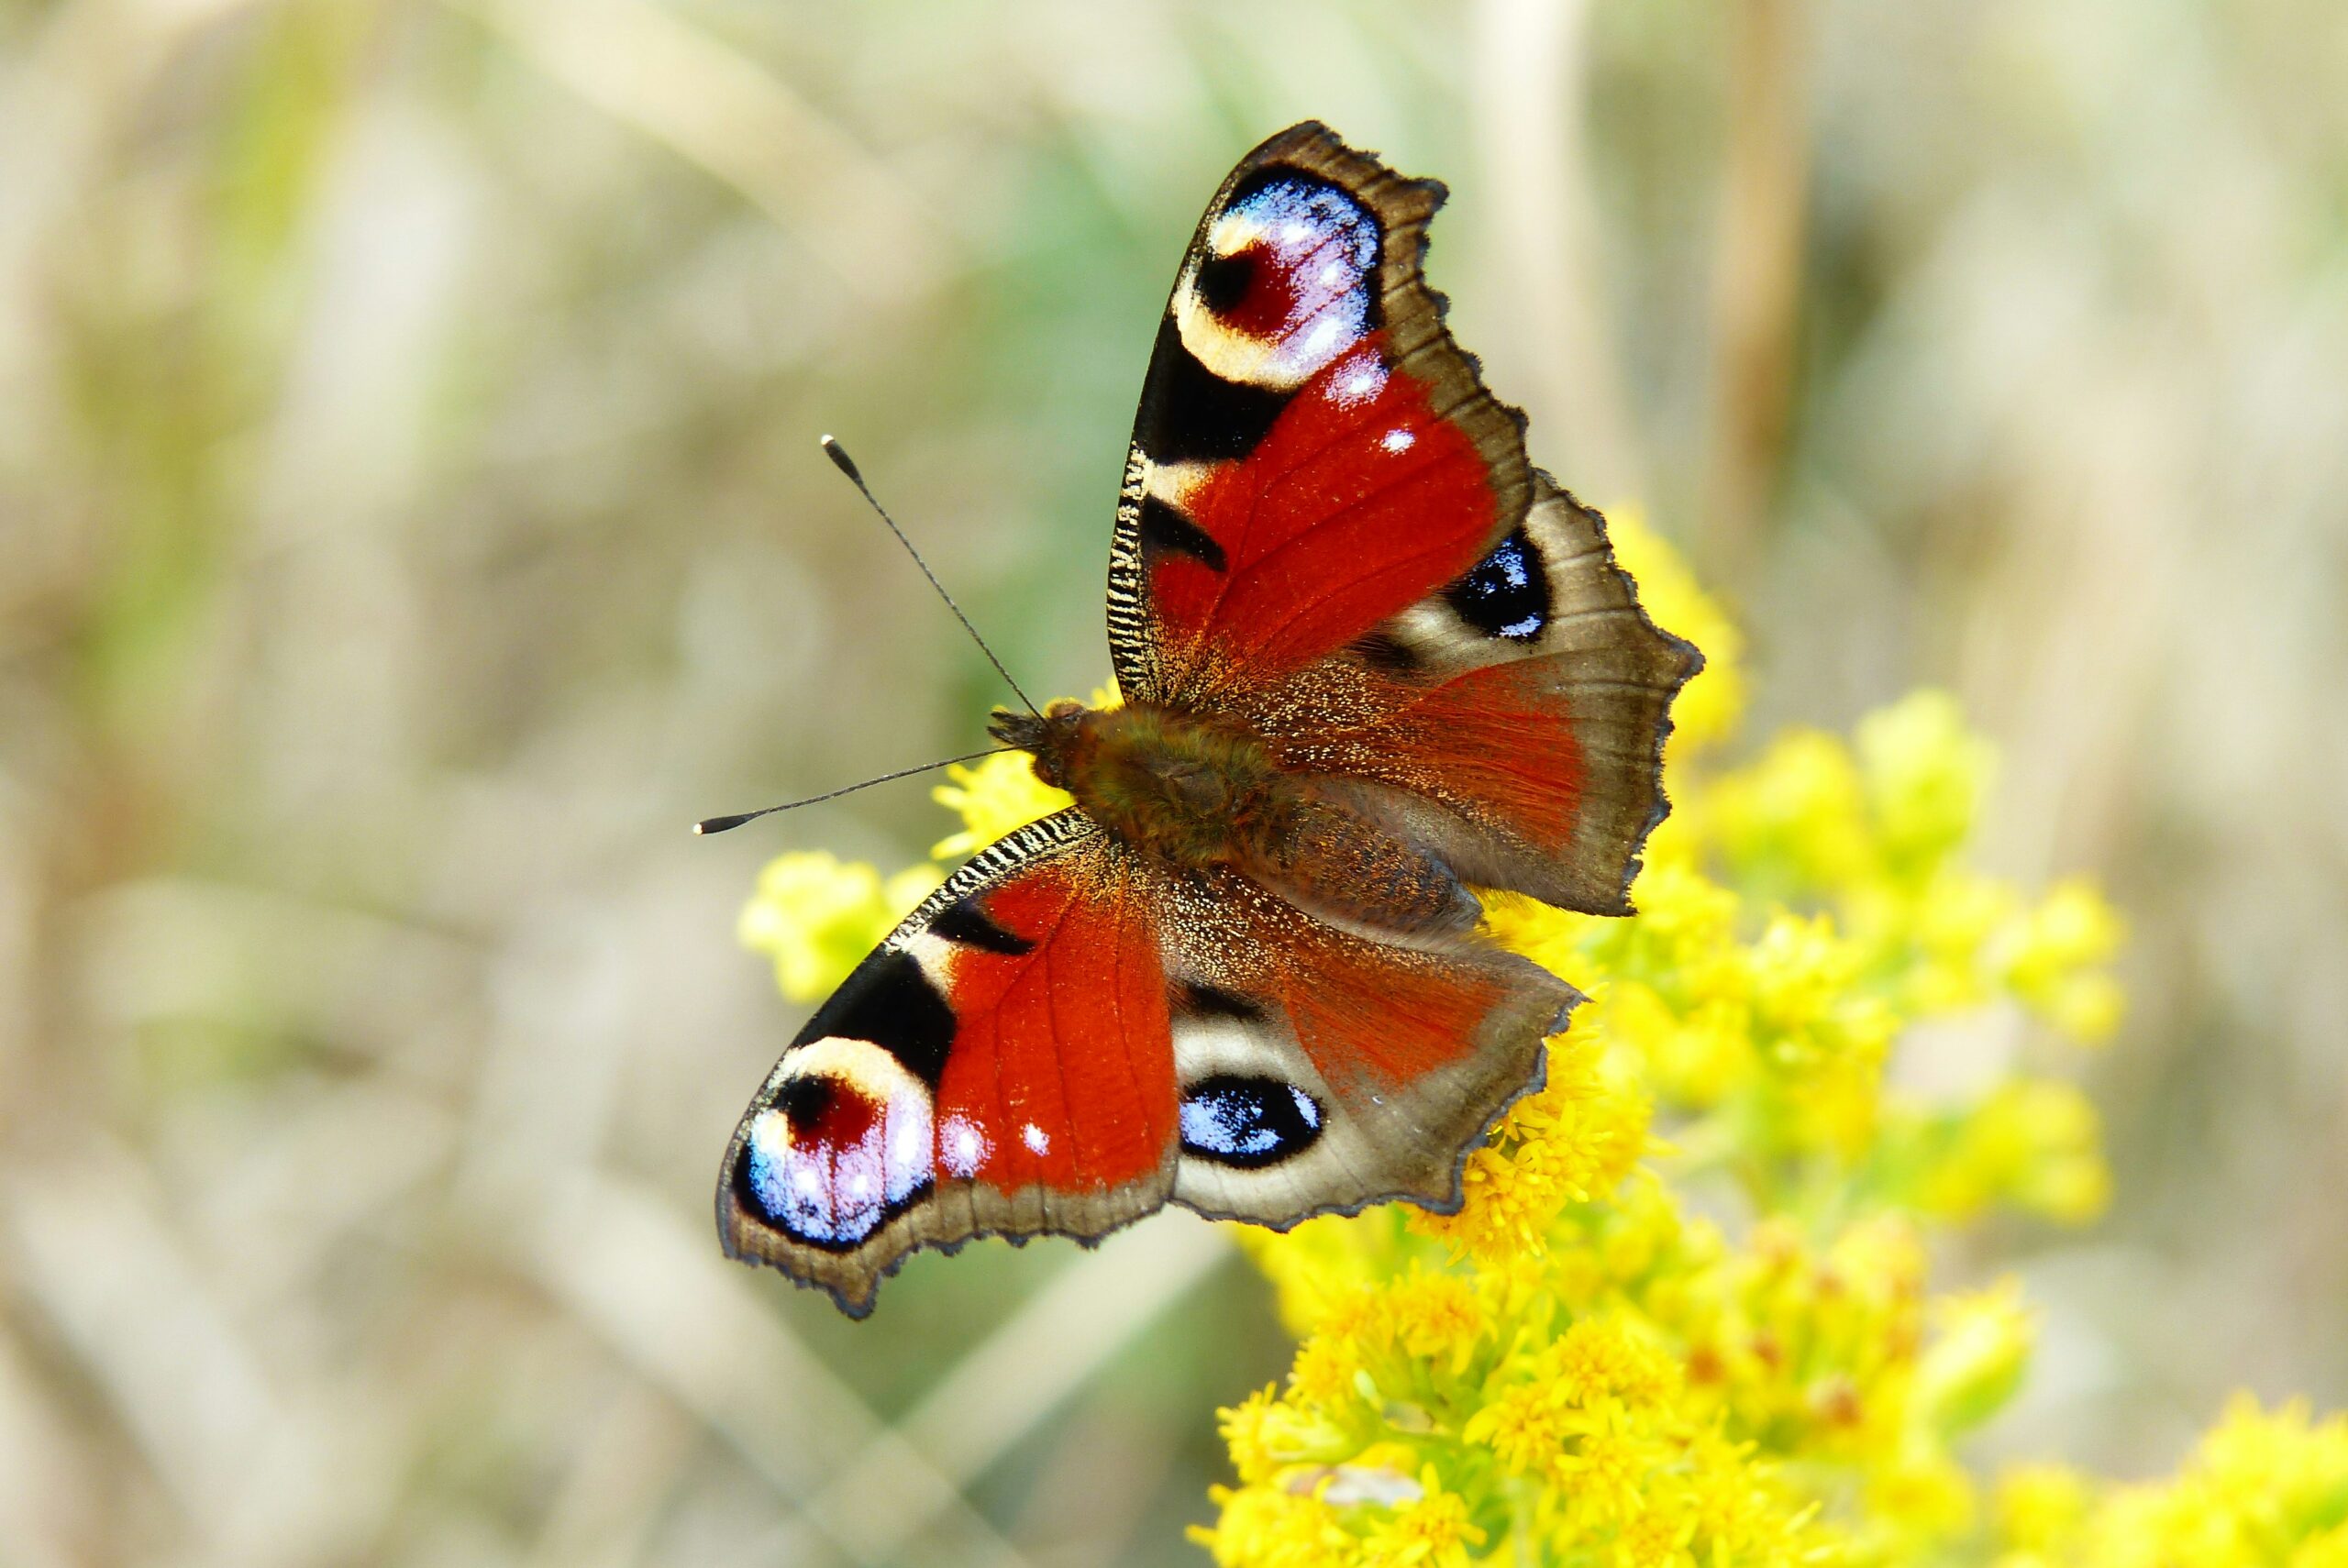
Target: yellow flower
x,y
2055,965
2029,1142
2041,1507
992,796
1656,1537
1267,1527
1598,1359
1265,1434
1975,1364
816,917
1796,819
1925,776
1434,1317
1709,706
1432,1532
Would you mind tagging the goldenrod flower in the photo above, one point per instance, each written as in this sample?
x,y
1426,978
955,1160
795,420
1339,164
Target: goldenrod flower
x,y
1579,1366
818,917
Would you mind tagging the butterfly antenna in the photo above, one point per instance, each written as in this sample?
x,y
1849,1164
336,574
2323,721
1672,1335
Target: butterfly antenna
x,y
846,465
727,824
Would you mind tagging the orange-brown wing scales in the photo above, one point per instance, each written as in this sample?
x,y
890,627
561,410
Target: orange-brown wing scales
x,y
1512,722
1001,1063
1323,1071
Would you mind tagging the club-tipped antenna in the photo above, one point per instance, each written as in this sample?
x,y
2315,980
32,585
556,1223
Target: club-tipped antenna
x,y
727,824
846,465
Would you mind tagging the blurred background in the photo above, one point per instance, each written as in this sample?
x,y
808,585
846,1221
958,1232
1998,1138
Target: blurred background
x,y
411,519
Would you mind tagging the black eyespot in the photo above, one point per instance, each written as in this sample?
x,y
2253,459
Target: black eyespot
x,y
1223,281
804,1099
1248,1123
1507,594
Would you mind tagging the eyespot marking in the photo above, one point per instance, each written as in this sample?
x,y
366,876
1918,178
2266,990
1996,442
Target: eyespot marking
x,y
843,1145
1507,594
1285,281
1248,1122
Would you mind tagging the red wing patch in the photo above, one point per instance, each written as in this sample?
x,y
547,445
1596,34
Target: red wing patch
x,y
1359,501
1061,1075
1373,1017
1495,742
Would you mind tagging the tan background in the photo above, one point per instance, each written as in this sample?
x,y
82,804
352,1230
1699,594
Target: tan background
x,y
410,518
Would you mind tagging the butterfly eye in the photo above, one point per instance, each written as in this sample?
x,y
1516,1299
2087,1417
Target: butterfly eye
x,y
1249,1122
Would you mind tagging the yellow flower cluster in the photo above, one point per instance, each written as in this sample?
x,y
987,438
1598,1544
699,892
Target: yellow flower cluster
x,y
2266,1489
1682,1315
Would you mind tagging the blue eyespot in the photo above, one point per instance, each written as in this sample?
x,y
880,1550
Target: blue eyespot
x,y
1507,594
1248,1122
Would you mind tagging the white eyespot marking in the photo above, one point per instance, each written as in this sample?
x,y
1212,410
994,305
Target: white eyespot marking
x,y
1306,298
1034,1138
1359,381
962,1147
1397,440
1173,482
843,1142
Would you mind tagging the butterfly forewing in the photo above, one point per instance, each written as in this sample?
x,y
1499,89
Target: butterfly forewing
x,y
1329,530
1313,452
1002,1063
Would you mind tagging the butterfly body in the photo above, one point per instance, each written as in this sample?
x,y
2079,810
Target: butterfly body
x,y
1371,659
1196,793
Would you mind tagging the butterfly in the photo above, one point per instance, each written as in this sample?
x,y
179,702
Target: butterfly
x,y
1372,661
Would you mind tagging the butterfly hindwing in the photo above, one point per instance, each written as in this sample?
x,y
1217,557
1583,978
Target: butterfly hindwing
x,y
1511,720
1000,1064
1325,1071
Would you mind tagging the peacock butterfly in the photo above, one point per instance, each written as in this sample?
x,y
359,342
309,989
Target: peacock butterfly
x,y
1372,659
